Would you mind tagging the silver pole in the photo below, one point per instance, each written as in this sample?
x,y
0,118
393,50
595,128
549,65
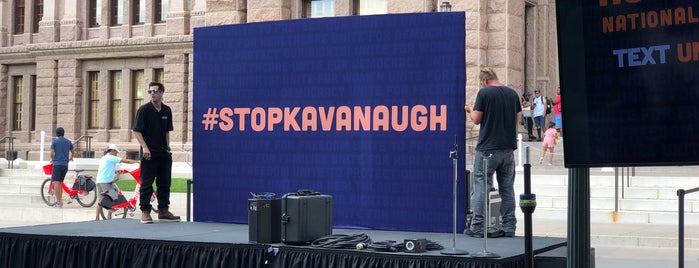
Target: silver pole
x,y
454,156
485,253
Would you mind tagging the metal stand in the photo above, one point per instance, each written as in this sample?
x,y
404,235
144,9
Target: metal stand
x,y
485,253
527,202
454,155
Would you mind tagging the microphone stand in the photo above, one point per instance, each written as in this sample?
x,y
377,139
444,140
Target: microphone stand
x,y
454,155
486,208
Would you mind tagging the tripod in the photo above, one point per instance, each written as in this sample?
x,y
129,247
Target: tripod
x,y
454,155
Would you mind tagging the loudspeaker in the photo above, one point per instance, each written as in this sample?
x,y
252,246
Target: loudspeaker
x,y
264,220
415,245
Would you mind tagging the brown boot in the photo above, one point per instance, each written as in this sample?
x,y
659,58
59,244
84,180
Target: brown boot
x,y
165,215
145,217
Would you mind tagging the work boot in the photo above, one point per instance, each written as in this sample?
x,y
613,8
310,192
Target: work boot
x,y
145,217
165,215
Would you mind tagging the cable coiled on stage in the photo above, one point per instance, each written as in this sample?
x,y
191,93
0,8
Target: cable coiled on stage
x,y
341,241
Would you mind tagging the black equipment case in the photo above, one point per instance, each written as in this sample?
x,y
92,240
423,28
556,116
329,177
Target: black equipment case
x,y
306,216
264,219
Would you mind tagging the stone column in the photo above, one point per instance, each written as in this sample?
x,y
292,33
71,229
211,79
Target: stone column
x,y
49,24
104,20
71,24
46,99
197,14
3,99
3,33
177,94
342,7
413,6
542,45
225,12
69,112
177,18
264,10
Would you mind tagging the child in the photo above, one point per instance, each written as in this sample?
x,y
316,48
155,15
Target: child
x,y
106,171
549,143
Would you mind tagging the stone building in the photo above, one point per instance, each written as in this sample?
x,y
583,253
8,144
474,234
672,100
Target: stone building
x,y
85,65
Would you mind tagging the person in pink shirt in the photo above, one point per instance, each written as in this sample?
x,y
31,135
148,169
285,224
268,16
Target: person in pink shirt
x,y
557,117
549,143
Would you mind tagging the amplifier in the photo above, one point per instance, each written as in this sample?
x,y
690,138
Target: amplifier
x,y
264,220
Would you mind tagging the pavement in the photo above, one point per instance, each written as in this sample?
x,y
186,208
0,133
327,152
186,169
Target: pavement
x,y
610,250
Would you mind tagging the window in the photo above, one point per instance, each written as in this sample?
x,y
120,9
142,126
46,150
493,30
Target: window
x,y
94,11
319,8
116,12
17,103
371,7
19,16
159,75
138,12
32,108
139,88
93,99
115,96
38,13
160,10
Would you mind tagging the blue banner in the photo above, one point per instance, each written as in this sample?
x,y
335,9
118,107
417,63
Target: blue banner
x,y
364,108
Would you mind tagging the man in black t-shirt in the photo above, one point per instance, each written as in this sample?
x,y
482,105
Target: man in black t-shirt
x,y
152,128
498,111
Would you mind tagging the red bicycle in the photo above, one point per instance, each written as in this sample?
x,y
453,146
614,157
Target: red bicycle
x,y
121,206
83,189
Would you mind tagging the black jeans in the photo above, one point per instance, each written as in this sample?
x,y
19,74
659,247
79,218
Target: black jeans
x,y
159,170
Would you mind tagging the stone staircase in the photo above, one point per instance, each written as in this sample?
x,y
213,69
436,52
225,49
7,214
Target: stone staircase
x,y
642,200
20,200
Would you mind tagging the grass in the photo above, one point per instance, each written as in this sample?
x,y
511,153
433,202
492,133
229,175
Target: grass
x,y
178,185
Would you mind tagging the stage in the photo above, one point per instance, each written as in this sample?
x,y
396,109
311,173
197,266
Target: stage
x,y
128,243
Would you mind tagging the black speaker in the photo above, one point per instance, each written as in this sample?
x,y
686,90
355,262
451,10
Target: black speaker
x,y
264,220
415,245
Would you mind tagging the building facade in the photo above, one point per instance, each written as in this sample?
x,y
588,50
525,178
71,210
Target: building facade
x,y
85,65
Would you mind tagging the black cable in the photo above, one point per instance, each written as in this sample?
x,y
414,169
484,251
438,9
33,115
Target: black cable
x,y
341,241
431,245
386,245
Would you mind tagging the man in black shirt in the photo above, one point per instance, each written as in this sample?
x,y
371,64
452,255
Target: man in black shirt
x,y
498,111
152,128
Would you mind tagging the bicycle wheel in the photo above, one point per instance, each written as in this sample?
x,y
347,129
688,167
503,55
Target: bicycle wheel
x,y
88,199
154,203
47,193
116,213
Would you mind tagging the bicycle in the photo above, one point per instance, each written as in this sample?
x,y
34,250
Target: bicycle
x,y
121,206
83,189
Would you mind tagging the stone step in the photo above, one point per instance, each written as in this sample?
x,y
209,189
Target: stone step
x,y
609,180
30,199
610,216
41,213
620,234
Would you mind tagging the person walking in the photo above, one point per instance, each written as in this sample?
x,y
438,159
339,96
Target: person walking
x,y
527,115
106,171
498,110
539,113
557,113
151,128
549,143
62,152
